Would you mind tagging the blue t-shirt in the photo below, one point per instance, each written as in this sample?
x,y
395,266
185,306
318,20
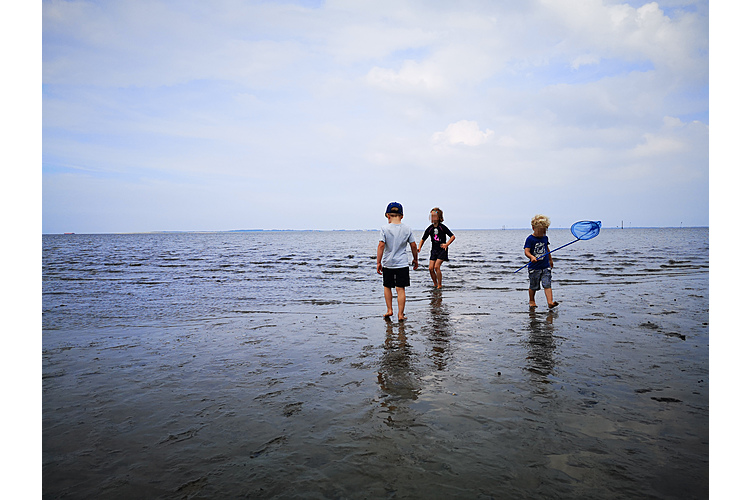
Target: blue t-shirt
x,y
397,238
538,246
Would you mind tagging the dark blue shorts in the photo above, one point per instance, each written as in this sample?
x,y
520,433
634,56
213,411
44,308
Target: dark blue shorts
x,y
439,254
398,277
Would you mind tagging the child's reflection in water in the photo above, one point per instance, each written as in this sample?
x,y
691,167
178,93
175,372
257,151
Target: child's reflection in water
x,y
541,344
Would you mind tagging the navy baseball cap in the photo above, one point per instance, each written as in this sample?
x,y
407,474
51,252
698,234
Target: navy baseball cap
x,y
395,208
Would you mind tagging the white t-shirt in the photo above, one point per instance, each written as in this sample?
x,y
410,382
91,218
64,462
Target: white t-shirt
x,y
397,238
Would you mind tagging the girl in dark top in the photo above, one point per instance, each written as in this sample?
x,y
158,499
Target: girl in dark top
x,y
438,233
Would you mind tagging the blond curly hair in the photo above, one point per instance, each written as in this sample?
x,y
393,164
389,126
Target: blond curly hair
x,y
540,221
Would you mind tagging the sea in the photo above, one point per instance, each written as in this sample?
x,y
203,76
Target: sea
x,y
258,364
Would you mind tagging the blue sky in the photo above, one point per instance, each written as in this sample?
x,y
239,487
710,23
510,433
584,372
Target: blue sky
x,y
192,115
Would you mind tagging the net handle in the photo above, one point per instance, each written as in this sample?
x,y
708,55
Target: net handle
x,y
546,254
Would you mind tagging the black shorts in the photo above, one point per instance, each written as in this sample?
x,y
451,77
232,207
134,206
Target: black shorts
x,y
396,277
439,254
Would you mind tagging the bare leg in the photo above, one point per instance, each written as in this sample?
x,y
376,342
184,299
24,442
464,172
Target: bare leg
x,y
548,293
388,301
439,273
532,294
433,273
401,293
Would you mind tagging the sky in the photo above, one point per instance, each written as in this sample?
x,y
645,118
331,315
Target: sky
x,y
198,116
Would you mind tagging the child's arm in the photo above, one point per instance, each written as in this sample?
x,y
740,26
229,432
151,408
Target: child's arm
x,y
414,252
381,248
527,253
424,238
445,245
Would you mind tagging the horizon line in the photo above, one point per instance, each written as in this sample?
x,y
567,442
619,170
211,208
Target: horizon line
x,y
208,231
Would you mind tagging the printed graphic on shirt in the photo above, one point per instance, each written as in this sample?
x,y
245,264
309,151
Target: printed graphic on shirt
x,y
539,250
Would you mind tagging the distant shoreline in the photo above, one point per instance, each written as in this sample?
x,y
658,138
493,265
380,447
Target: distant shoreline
x,y
345,230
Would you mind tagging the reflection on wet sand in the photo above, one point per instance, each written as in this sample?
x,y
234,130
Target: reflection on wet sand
x,y
397,376
440,330
541,344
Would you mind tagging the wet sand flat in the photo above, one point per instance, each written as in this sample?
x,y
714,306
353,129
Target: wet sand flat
x,y
473,396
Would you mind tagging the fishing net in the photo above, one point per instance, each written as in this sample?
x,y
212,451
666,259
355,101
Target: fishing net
x,y
582,230
585,229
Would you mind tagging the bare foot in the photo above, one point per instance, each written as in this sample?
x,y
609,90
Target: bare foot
x,y
401,317
388,314
554,304
532,305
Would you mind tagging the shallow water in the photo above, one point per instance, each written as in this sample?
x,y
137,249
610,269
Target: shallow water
x,y
258,365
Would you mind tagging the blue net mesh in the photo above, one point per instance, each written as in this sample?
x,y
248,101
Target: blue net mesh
x,y
585,229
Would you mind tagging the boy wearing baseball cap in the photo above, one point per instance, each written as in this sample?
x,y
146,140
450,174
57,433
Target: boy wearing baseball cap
x,y
393,258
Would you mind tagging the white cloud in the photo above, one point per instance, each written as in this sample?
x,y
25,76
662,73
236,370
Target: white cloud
x,y
584,60
412,77
672,122
251,94
366,40
630,33
654,145
462,132
508,142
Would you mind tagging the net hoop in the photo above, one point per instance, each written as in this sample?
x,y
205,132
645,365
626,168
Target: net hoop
x,y
586,229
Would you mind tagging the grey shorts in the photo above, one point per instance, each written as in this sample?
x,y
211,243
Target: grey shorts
x,y
537,276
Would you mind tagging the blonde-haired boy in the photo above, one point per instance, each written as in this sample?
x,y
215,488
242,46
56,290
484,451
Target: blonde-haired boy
x,y
536,248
